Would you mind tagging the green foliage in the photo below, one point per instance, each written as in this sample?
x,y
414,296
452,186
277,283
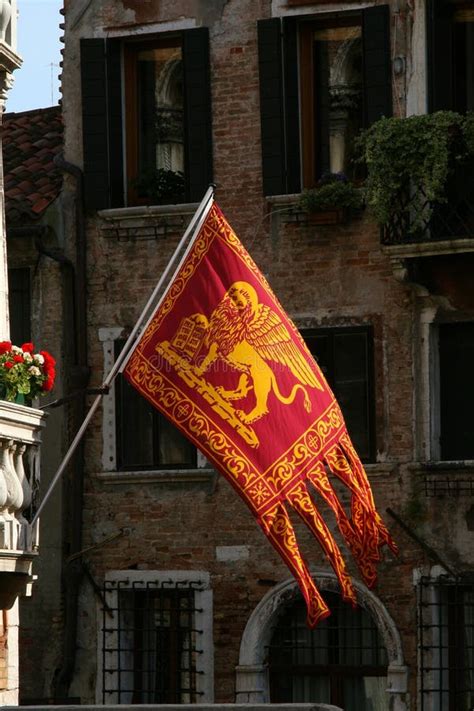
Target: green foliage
x,y
330,194
414,154
162,186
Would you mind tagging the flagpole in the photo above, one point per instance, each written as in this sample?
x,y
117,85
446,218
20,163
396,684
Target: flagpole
x,y
195,224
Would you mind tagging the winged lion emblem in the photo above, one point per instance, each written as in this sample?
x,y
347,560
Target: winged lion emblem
x,y
252,338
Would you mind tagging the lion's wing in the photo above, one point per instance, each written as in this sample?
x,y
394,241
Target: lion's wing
x,y
271,339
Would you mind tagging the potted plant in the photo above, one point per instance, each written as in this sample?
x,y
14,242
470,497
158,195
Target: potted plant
x,y
160,186
25,374
408,162
332,198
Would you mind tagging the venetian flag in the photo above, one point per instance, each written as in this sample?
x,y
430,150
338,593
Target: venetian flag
x,y
222,360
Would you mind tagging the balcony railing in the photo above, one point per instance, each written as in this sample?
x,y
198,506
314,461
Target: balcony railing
x,y
418,221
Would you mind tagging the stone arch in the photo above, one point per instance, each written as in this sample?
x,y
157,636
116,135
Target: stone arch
x,y
252,673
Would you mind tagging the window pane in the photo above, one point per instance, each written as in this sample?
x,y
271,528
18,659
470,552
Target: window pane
x,y
343,656
135,431
344,357
331,78
463,74
19,305
456,356
175,448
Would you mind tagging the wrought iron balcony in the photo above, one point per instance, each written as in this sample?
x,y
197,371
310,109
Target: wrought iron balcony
x,y
417,221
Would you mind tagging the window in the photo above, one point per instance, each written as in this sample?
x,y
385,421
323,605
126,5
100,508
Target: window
x,y
345,356
155,120
321,80
19,298
145,438
456,390
146,137
446,639
450,37
156,638
342,661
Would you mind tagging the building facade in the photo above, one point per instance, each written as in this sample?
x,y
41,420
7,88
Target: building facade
x,y
171,594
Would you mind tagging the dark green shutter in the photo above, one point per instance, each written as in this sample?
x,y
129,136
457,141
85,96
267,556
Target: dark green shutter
x,y
439,35
377,63
292,109
272,106
102,123
197,107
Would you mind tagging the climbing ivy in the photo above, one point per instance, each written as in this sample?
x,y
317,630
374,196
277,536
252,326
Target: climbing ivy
x,y
413,154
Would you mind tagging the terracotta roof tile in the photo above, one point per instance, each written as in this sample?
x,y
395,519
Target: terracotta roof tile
x,y
31,140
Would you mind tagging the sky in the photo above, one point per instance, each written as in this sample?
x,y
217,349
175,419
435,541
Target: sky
x,y
36,83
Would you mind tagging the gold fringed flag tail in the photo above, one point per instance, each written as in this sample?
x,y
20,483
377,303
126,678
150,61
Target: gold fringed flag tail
x,y
226,365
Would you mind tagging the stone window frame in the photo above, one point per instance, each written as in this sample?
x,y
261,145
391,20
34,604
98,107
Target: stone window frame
x,y
252,679
203,621
202,473
427,391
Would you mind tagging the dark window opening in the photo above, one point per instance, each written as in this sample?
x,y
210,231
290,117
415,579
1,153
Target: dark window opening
x,y
19,299
456,356
331,96
150,654
145,438
345,355
446,637
155,121
343,661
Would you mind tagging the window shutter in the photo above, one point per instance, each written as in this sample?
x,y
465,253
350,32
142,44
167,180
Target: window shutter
x,y
197,108
19,298
293,167
101,123
439,34
272,106
114,117
377,63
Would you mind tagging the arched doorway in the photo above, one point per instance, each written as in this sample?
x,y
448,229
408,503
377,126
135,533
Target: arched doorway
x,y
279,607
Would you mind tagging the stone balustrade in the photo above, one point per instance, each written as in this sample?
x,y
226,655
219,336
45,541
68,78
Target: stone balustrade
x,y
20,439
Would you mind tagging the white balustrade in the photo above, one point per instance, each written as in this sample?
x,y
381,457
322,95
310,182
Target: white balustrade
x,y
20,437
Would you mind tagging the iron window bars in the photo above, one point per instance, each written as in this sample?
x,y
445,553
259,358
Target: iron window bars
x,y
446,637
149,645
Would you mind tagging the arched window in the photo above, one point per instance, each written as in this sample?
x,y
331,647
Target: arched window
x,y
343,661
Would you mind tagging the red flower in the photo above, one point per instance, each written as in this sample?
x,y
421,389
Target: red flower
x,y
9,364
18,358
48,384
5,346
28,348
49,361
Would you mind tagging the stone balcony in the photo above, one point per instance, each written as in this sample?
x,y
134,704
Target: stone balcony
x,y
20,440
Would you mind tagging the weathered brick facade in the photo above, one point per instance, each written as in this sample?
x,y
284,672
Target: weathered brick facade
x,y
326,276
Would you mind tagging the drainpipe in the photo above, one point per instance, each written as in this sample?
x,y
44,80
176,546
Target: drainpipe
x,y
73,486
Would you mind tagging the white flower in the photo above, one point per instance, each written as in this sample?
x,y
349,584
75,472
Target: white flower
x,y
27,357
38,358
34,370
16,349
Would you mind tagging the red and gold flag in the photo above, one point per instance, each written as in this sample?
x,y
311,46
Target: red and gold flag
x,y
226,365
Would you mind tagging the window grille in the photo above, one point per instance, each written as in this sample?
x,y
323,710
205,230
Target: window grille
x,y
446,636
149,643
343,661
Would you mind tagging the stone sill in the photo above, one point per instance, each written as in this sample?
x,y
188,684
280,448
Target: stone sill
x,y
21,423
146,211
163,476
380,469
460,465
12,561
145,222
429,249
